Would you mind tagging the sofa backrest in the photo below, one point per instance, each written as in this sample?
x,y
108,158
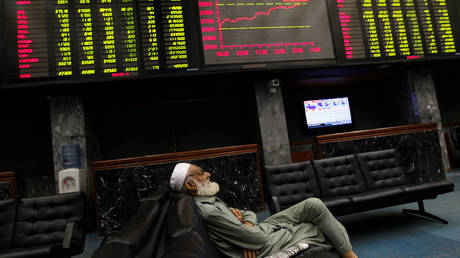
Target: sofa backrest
x,y
186,229
153,245
7,217
291,183
141,235
43,220
382,168
339,176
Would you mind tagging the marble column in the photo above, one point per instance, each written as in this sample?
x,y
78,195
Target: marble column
x,y
69,126
272,123
428,109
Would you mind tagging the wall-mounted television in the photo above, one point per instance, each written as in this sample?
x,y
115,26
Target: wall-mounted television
x,y
334,112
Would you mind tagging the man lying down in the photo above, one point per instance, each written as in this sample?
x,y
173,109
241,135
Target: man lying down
x,y
236,233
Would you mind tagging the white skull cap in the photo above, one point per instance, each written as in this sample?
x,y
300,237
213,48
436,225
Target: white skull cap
x,y
178,176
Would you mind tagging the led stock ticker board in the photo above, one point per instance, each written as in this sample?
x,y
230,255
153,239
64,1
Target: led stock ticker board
x,y
85,39
93,39
410,29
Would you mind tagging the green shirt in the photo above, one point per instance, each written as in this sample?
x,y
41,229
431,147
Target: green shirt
x,y
274,234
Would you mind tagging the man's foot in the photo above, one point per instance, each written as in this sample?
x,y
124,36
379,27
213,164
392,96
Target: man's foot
x,y
350,254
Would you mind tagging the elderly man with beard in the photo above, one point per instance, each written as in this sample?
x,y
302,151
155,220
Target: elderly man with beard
x,y
236,233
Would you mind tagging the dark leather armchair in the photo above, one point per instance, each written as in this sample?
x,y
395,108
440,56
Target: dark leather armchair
x,y
48,226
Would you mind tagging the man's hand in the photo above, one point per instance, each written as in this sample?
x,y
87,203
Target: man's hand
x,y
248,224
250,253
237,214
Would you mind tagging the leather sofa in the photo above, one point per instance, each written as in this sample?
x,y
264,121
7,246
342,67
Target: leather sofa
x,y
351,183
165,225
50,226
168,225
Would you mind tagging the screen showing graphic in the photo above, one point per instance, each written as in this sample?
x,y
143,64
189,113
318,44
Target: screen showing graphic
x,y
327,112
248,31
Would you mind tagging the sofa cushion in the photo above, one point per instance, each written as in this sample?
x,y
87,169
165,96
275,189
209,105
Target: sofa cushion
x,y
42,251
337,202
339,176
429,188
7,217
376,196
291,183
43,220
381,169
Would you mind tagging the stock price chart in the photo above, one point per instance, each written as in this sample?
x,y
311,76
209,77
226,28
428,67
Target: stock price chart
x,y
247,31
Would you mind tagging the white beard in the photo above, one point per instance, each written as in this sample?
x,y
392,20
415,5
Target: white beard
x,y
207,188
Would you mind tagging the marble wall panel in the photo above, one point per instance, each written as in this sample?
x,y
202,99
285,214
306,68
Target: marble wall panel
x,y
118,191
36,186
5,190
419,153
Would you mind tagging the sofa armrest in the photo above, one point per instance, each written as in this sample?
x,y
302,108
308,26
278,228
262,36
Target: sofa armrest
x,y
67,235
276,204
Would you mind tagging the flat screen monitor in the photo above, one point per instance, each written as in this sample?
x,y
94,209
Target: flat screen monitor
x,y
321,113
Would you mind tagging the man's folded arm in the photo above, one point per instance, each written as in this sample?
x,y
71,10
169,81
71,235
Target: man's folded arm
x,y
249,216
233,231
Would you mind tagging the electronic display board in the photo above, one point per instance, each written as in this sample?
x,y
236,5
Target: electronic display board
x,y
150,32
396,29
31,39
61,46
247,31
175,38
85,34
79,40
327,112
97,39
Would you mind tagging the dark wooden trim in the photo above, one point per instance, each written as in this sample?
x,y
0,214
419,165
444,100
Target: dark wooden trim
x,y
9,176
355,135
451,124
172,157
6,174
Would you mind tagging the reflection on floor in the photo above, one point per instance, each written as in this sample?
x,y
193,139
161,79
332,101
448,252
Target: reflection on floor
x,y
388,232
